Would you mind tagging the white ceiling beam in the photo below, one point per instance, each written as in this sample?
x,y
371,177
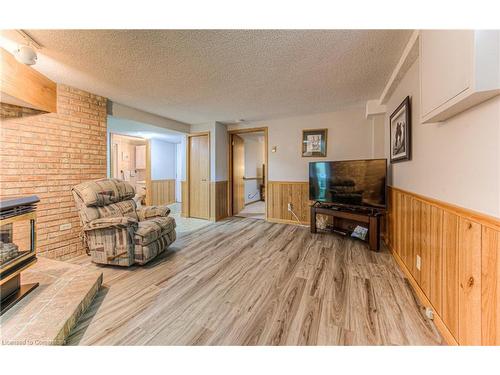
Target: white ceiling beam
x,y
410,54
129,113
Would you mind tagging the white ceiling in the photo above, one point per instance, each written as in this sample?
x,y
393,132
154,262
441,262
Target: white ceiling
x,y
198,76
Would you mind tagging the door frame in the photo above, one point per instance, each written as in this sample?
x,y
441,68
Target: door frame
x,y
147,142
188,172
230,164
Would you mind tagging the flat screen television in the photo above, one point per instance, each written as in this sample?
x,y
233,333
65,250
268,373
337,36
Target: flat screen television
x,y
357,183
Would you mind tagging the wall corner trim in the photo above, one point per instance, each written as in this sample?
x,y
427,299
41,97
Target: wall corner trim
x,y
374,108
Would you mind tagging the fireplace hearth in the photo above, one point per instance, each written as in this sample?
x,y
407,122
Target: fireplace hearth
x,y
17,248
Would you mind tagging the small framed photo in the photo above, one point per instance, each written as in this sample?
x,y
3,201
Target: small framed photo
x,y
400,132
314,142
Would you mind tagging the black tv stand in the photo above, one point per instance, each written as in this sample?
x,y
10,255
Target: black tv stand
x,y
345,219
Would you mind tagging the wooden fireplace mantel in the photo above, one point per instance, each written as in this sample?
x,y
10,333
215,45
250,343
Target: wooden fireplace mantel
x,y
23,86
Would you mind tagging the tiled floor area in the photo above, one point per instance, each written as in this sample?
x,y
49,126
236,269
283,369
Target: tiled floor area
x,y
255,210
185,224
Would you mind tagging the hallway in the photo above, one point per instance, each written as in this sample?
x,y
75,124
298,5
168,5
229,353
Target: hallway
x,y
254,210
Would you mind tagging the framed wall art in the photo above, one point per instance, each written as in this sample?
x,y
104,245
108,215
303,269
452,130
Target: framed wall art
x,y
400,132
314,142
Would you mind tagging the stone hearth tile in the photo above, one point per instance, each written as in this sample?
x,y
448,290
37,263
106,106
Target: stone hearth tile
x,y
48,313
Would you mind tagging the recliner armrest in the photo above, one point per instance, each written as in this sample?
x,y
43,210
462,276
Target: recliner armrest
x,y
110,222
147,212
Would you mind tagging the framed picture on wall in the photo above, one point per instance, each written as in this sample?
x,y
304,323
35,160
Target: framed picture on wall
x,y
400,132
314,142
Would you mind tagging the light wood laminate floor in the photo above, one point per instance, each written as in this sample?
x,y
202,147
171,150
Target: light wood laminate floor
x,y
251,282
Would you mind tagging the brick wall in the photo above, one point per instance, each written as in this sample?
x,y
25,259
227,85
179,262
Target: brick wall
x,y
48,153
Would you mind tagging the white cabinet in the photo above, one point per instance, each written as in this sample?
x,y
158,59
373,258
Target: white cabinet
x,y
140,157
458,69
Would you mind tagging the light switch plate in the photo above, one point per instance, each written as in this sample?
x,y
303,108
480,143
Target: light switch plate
x,y
419,262
65,226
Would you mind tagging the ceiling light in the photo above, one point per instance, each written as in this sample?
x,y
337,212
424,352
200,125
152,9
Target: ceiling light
x,y
25,54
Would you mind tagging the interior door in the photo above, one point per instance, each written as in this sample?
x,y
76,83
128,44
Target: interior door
x,y
238,173
199,177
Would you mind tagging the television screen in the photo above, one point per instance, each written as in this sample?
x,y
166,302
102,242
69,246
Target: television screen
x,y
351,182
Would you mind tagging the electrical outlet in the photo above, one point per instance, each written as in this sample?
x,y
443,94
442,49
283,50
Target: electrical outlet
x,y
419,262
429,313
65,226
290,207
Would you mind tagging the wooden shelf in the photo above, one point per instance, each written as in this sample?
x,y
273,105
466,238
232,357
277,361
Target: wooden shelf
x,y
346,220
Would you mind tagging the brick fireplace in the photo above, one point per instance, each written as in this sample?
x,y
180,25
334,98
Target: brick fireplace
x,y
48,153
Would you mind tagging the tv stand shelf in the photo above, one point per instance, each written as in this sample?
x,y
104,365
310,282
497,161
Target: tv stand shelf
x,y
345,219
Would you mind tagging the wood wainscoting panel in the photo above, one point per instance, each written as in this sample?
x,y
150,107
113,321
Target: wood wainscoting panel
x,y
417,242
460,263
469,276
436,258
280,193
425,234
490,282
163,192
219,196
450,272
389,218
398,225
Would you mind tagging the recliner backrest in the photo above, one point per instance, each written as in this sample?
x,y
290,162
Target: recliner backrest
x,y
104,198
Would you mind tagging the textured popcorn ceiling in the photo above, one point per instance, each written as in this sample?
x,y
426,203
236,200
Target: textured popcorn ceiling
x,y
198,76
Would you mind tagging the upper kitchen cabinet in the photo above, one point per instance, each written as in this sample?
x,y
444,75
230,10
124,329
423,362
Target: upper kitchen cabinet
x,y
458,70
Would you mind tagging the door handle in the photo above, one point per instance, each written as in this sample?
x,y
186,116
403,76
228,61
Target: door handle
x,y
204,180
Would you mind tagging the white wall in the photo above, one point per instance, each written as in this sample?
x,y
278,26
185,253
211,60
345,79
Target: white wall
x,y
221,145
349,137
254,158
378,136
163,160
456,161
180,173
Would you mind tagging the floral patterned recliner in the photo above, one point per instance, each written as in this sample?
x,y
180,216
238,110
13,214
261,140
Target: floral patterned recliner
x,y
116,231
